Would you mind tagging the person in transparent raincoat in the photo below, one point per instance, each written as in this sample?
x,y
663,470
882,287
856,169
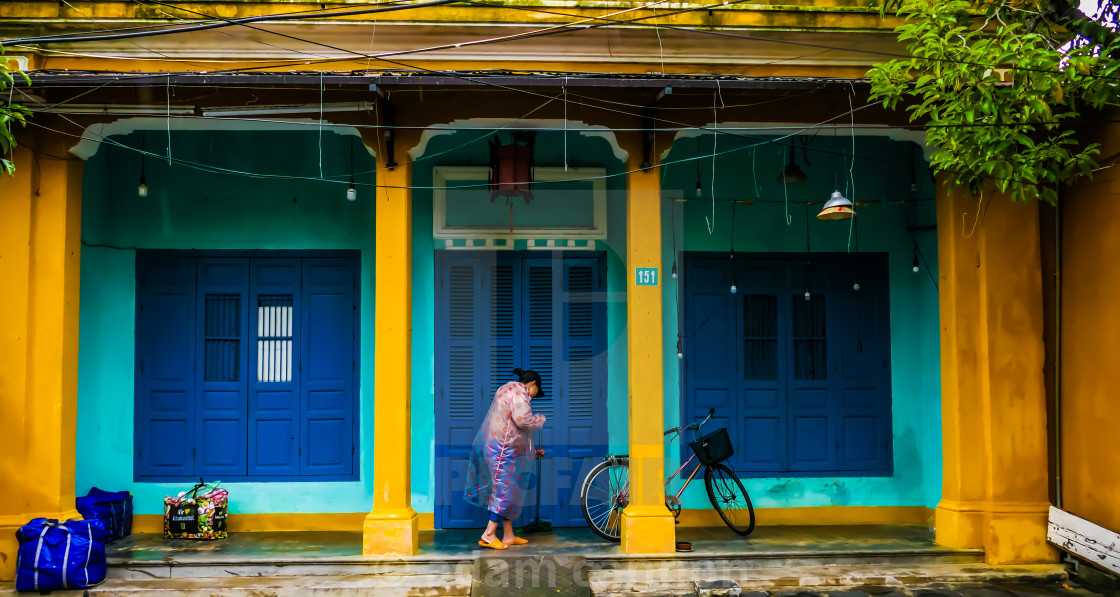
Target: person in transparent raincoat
x,y
498,475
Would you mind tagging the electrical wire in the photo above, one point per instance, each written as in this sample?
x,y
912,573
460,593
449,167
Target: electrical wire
x,y
550,29
607,18
214,25
823,47
220,170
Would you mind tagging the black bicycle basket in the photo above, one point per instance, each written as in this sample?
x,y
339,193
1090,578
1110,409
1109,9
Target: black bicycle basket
x,y
713,448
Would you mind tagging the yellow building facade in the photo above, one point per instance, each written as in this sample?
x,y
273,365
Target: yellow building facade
x,y
599,69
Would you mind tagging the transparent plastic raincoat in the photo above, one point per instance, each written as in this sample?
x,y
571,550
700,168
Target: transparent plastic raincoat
x,y
498,475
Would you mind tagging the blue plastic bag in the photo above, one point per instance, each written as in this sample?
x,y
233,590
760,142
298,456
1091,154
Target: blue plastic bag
x,y
112,508
57,555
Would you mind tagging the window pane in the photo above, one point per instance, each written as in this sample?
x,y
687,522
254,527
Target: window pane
x,y
274,338
222,341
760,324
810,359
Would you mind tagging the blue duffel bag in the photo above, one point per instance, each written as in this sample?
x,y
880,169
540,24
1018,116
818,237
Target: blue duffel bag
x,y
112,508
57,555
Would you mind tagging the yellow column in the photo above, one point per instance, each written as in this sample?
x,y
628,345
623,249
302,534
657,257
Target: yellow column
x,y
40,236
994,488
647,525
392,528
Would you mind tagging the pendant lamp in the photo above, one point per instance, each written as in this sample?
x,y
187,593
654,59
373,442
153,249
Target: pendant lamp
x,y
838,207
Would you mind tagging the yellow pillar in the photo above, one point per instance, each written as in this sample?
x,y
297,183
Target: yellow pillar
x,y
994,487
392,528
647,525
40,236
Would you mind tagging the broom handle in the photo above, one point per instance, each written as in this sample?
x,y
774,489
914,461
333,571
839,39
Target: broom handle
x,y
539,437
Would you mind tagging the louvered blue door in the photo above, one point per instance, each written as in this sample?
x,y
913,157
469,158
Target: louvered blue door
x,y
580,436
506,310
165,379
462,382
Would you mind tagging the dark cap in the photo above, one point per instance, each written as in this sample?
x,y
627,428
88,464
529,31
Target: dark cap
x,y
529,375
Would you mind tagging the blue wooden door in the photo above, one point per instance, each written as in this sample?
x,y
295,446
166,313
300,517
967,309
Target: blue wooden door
x,y
274,395
796,362
541,312
165,372
327,366
223,288
462,379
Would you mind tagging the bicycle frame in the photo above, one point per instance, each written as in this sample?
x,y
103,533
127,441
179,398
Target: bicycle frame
x,y
670,478
625,489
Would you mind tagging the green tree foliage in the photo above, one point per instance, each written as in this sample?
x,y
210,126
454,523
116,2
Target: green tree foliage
x,y
9,113
997,85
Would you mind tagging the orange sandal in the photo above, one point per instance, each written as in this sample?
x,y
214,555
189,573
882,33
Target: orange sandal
x,y
517,541
495,544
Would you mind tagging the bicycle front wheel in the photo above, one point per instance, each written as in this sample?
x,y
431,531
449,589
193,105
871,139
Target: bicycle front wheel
x,y
605,493
730,498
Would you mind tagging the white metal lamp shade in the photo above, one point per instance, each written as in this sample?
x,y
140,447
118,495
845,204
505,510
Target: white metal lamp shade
x,y
838,207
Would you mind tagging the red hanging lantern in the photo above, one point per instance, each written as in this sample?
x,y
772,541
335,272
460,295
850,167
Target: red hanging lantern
x,y
511,169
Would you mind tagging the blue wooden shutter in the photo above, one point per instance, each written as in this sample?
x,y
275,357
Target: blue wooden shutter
x,y
584,382
864,411
274,433
811,329
762,437
327,375
165,349
222,351
711,367
501,335
540,349
463,370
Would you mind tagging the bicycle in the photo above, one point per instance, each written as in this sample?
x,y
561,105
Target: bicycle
x,y
605,492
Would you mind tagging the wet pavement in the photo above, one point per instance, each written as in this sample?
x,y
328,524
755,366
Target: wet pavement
x,y
461,544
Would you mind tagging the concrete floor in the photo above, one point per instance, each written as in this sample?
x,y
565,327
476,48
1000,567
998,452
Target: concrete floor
x,y
462,544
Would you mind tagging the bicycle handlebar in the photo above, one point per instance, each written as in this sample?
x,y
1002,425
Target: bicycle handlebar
x,y
692,426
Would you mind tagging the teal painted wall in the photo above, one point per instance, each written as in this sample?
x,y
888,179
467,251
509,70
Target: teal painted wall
x,y
191,209
884,172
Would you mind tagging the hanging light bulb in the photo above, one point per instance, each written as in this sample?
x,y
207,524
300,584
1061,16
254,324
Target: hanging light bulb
x,y
142,189
699,189
734,289
351,193
674,274
680,348
808,295
855,286
916,268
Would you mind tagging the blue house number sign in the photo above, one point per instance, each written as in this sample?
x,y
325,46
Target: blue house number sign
x,y
645,276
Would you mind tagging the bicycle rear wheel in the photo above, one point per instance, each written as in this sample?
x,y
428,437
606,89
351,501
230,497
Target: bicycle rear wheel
x,y
730,498
605,493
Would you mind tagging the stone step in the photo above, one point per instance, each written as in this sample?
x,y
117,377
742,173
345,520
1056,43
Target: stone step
x,y
437,585
680,580
242,567
776,559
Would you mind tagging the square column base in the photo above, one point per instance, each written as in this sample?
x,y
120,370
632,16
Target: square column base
x,y
648,529
959,525
391,533
1018,538
1008,533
